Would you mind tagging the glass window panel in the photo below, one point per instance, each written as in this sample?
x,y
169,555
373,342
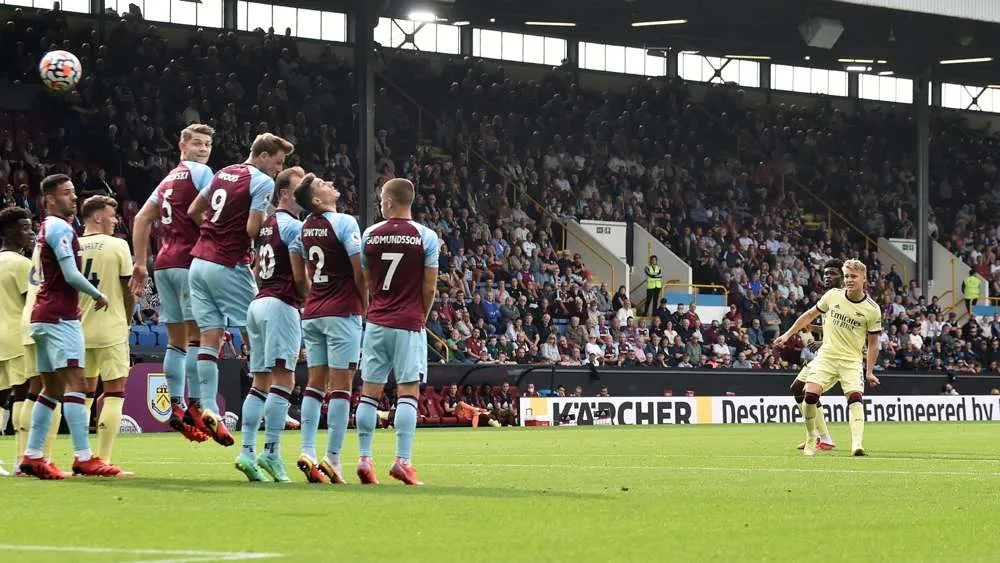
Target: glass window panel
x,y
449,39
837,80
184,13
82,6
24,3
399,30
635,60
258,15
801,79
686,63
490,44
383,32
426,37
534,49
592,56
655,66
309,24
285,18
512,46
614,58
155,11
210,13
241,16
335,26
555,51
781,77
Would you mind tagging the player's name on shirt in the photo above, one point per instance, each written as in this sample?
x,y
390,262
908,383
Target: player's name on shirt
x,y
396,239
177,175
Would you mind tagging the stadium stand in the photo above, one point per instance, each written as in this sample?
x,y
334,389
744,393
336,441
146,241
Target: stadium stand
x,y
503,161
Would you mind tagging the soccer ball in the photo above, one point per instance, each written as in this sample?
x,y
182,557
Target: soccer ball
x,y
60,70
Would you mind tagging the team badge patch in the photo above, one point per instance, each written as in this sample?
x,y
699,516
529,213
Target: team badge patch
x,y
158,396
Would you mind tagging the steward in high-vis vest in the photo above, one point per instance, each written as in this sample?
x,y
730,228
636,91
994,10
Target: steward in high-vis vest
x,y
971,288
654,284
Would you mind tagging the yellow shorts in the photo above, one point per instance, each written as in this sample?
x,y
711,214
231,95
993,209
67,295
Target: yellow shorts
x,y
826,373
11,372
111,362
30,367
803,376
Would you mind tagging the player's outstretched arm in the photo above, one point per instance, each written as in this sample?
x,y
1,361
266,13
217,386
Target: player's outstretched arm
x,y
73,277
140,240
804,320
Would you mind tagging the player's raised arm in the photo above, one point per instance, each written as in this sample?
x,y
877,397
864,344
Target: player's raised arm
x,y
432,249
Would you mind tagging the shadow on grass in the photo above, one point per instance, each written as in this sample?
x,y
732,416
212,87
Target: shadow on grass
x,y
159,484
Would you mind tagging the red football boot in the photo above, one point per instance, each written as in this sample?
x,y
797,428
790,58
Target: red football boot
x,y
366,471
825,446
405,472
217,429
39,467
309,468
96,467
188,431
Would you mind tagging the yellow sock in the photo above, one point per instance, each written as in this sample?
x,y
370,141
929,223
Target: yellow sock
x,y
821,427
108,425
53,430
802,409
810,415
89,403
857,422
20,436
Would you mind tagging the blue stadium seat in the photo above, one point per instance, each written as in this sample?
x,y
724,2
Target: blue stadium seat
x,y
160,332
145,339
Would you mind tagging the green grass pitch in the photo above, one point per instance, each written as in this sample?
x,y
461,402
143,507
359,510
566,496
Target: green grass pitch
x,y
928,492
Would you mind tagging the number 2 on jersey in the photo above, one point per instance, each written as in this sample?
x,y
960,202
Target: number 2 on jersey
x,y
218,202
316,253
393,258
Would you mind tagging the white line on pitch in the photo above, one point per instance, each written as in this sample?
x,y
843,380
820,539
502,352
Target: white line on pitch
x,y
175,556
725,469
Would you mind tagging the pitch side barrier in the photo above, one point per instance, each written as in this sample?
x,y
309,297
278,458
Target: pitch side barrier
x,y
148,402
630,411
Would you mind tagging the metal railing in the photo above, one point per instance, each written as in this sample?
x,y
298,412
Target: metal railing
x,y
444,344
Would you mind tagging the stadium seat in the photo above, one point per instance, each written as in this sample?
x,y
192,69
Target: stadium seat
x,y
160,333
146,339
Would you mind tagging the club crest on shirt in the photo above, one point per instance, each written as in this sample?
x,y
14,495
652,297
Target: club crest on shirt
x,y
158,396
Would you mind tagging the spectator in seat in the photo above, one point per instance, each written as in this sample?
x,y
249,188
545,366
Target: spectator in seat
x,y
576,333
756,334
771,322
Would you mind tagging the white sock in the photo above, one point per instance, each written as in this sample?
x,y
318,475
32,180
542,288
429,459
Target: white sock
x,y
84,455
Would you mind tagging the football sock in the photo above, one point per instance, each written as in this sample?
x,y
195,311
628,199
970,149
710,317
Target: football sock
x,y
312,403
810,415
857,422
41,420
76,420
191,372
275,413
337,418
4,413
109,423
406,426
802,409
821,428
366,417
20,436
208,371
50,440
253,410
173,369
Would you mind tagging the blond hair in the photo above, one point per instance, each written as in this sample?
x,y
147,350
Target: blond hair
x,y
856,266
196,128
271,144
399,190
96,203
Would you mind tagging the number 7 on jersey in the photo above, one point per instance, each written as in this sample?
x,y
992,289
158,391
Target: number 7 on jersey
x,y
393,258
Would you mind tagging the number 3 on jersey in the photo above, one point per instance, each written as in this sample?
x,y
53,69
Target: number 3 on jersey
x,y
393,258
218,202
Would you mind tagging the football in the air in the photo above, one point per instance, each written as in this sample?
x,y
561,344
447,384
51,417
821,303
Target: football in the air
x,y
60,70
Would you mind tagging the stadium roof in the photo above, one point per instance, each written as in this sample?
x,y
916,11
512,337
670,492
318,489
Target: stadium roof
x,y
909,42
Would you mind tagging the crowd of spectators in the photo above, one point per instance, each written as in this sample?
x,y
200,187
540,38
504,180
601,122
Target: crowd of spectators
x,y
502,161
